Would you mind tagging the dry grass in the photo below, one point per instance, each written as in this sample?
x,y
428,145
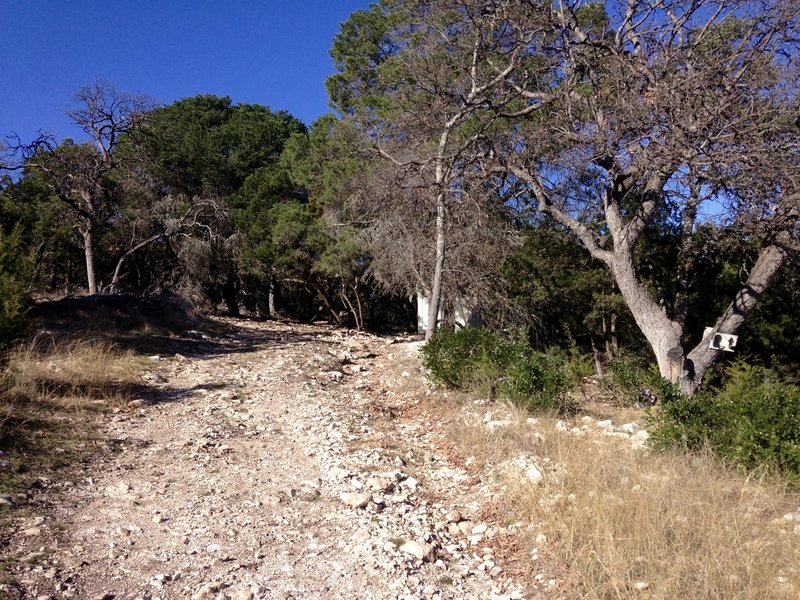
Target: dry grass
x,y
51,393
628,524
71,373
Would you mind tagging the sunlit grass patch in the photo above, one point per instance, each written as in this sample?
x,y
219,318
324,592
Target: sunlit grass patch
x,y
622,523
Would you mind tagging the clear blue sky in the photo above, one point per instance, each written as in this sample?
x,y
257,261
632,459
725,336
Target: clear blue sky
x,y
269,52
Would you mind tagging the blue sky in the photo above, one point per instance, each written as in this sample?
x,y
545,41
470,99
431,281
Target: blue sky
x,y
268,52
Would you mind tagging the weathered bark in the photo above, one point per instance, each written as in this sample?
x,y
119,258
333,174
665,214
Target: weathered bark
x,y
359,306
684,259
661,332
88,251
271,300
438,270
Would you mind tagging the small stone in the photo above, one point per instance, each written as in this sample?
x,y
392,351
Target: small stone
x,y
361,536
492,425
206,591
356,499
410,484
534,474
335,375
465,527
641,586
453,516
418,550
605,424
479,529
242,594
6,500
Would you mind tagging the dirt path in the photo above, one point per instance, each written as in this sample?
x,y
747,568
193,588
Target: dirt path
x,y
286,462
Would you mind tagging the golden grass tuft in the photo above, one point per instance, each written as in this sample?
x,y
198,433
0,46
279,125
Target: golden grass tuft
x,y
71,372
51,393
627,524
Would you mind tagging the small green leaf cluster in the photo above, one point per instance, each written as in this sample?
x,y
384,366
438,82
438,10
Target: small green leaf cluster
x,y
485,361
752,421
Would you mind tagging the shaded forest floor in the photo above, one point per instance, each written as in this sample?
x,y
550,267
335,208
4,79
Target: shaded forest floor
x,y
178,458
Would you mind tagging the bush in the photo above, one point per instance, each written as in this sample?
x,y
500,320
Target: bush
x,y
752,421
482,360
15,278
630,381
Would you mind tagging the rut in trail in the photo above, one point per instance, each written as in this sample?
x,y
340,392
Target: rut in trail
x,y
287,461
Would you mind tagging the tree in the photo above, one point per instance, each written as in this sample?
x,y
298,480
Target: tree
x,y
206,151
81,175
415,75
688,108
16,270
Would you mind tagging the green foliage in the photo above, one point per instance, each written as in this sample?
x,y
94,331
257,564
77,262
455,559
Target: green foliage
x,y
563,296
629,379
16,272
470,359
362,45
753,420
207,145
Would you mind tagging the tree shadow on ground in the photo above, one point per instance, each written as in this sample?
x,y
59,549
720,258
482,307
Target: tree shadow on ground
x,y
163,326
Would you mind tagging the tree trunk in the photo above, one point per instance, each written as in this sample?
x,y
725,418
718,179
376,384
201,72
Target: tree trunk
x,y
327,302
359,306
229,295
663,334
114,286
598,364
438,271
701,358
88,251
271,300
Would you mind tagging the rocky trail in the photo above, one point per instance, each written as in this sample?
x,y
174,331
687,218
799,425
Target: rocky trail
x,y
283,461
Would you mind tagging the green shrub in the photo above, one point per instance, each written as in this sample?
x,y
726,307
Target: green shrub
x,y
752,421
484,361
15,278
628,379
537,380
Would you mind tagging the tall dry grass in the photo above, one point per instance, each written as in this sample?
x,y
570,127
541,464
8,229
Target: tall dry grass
x,y
50,395
71,372
627,524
